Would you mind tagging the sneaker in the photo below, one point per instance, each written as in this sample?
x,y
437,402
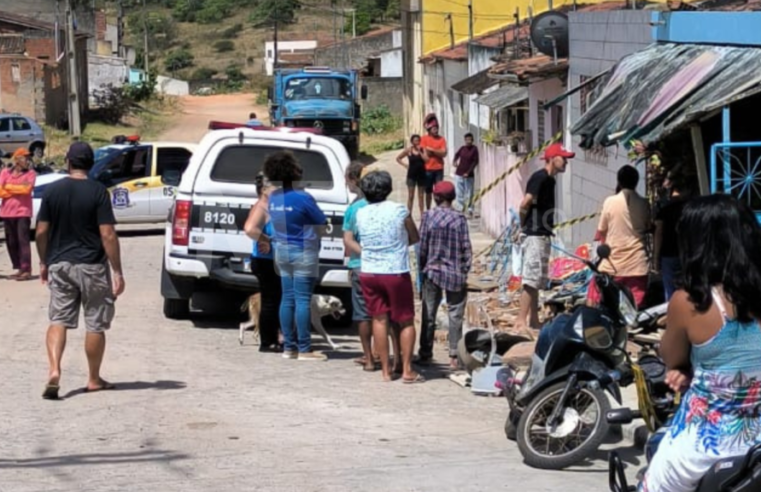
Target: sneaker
x,y
288,354
312,356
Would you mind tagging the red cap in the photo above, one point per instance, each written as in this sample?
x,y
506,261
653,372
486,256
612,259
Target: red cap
x,y
557,150
444,189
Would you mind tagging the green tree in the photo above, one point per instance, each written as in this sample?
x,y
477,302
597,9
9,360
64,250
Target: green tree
x,y
367,12
203,73
162,30
268,11
186,10
393,10
214,11
179,59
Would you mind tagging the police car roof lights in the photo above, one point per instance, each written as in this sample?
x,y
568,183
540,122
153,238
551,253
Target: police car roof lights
x,y
125,139
222,125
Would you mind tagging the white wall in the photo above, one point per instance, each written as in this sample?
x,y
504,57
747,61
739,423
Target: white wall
x,y
171,87
105,70
391,63
480,59
284,47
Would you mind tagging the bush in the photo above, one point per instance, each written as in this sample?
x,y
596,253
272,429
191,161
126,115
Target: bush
x,y
379,120
185,10
224,46
232,31
112,104
141,91
203,73
214,11
179,59
261,98
234,74
162,30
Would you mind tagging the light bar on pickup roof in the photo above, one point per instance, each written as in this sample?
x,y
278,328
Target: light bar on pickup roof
x,y
223,125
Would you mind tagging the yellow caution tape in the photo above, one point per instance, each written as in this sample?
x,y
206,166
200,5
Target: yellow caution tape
x,y
486,189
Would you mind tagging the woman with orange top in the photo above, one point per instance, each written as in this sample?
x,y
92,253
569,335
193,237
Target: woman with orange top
x,y
16,185
435,147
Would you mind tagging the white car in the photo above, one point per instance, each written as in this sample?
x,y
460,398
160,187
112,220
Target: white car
x,y
205,247
132,173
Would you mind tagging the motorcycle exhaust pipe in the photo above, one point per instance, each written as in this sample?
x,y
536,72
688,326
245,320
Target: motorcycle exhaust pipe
x,y
621,416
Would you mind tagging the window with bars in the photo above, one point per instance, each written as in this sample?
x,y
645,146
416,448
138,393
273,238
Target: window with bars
x,y
540,121
587,94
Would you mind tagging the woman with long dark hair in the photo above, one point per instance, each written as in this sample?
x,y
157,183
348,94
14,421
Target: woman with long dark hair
x,y
712,344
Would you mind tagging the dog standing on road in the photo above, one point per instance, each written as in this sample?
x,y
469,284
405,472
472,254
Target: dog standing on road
x,y
321,306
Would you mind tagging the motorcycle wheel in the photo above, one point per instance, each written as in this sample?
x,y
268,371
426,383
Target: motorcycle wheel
x,y
575,438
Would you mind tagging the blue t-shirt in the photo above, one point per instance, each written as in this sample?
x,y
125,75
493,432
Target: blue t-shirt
x,y
294,215
267,231
350,224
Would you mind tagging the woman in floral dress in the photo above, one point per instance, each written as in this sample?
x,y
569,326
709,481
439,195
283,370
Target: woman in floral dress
x,y
712,345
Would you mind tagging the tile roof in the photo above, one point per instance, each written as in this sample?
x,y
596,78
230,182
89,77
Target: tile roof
x,y
503,97
30,22
11,45
527,68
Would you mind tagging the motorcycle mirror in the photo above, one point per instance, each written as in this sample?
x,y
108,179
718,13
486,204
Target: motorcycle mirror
x,y
603,251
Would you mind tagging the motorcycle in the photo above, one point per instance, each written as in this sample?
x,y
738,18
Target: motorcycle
x,y
557,410
656,405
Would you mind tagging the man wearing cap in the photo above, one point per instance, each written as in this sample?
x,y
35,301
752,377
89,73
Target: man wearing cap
x,y
77,241
16,186
537,223
445,259
435,147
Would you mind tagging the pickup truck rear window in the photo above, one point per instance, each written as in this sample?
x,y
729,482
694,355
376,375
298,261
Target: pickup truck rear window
x,y
241,164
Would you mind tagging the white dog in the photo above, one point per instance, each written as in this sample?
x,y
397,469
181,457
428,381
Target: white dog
x,y
321,306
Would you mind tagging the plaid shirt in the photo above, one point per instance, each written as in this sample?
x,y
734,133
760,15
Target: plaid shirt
x,y
445,251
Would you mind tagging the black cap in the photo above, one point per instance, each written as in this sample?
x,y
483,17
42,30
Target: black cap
x,y
81,153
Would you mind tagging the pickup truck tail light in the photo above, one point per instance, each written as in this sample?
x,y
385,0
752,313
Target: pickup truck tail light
x,y
181,222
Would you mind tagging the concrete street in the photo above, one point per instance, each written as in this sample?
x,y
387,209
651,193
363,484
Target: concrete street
x,y
194,411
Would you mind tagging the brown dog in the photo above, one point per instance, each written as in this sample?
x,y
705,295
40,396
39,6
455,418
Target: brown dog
x,y
253,306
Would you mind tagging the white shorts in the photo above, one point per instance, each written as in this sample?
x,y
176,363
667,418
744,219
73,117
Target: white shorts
x,y
536,261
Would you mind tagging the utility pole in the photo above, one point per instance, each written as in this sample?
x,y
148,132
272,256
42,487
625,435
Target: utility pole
x,y
276,18
75,123
119,28
353,23
343,37
335,31
145,42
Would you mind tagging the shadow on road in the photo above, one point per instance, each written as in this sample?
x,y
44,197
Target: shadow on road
x,y
134,386
94,459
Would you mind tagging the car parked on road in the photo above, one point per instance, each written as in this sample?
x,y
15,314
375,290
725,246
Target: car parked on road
x,y
206,249
132,173
21,132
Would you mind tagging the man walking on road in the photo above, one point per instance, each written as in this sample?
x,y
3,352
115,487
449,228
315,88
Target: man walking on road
x,y
445,259
537,222
76,241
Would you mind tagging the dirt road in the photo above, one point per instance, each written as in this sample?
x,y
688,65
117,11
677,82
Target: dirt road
x,y
195,411
197,111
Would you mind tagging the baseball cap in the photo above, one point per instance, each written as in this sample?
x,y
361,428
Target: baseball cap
x,y
444,189
430,121
557,150
21,153
81,152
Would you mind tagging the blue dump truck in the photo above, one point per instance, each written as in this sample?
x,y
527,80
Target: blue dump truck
x,y
319,98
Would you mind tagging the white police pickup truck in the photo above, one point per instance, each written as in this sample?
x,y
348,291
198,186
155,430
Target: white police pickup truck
x,y
205,247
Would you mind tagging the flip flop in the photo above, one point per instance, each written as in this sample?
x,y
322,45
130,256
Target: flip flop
x,y
51,392
105,387
418,379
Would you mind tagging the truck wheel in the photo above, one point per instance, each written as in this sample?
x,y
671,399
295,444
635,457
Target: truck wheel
x,y
177,308
353,150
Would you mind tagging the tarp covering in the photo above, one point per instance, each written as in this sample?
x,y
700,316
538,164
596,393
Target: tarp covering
x,y
503,97
660,89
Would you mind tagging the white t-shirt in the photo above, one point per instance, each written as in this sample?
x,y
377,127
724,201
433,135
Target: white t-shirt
x,y
383,237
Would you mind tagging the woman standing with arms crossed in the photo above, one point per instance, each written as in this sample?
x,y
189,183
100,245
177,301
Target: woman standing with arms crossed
x,y
416,178
16,185
264,269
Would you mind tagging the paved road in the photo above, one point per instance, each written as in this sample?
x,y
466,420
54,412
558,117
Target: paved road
x,y
197,412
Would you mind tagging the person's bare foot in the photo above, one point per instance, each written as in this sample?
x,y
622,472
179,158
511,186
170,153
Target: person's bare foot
x,y
387,378
99,385
454,364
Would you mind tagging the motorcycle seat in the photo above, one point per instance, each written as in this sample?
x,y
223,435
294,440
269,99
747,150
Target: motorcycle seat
x,y
727,473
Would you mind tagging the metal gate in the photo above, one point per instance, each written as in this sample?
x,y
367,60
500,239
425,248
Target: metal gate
x,y
736,170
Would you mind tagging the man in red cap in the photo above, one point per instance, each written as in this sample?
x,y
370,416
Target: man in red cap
x,y
445,259
435,147
537,224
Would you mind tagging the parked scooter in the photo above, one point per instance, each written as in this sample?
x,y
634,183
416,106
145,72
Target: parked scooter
x,y
737,474
557,411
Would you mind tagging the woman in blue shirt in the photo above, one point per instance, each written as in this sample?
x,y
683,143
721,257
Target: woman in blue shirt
x,y
263,266
297,224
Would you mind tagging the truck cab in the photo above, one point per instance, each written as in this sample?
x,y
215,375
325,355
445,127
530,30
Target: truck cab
x,y
320,98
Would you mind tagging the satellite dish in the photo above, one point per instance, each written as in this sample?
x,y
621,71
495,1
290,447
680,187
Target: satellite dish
x,y
549,33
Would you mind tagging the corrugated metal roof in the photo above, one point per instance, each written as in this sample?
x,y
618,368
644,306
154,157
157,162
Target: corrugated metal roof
x,y
685,82
11,45
526,68
504,96
475,84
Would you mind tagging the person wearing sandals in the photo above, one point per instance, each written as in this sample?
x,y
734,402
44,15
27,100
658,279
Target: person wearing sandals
x,y
263,266
16,185
386,232
416,178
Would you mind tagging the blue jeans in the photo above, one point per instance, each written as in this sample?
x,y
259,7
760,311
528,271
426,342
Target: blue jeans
x,y
298,271
671,269
464,192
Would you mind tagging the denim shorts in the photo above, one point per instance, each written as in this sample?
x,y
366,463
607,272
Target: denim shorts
x,y
359,306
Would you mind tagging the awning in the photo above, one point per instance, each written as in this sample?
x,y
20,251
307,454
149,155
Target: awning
x,y
475,84
503,97
665,87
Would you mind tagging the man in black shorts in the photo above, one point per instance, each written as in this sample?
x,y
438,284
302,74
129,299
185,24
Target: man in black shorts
x,y
76,241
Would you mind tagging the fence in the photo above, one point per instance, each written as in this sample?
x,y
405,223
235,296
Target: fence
x,y
736,170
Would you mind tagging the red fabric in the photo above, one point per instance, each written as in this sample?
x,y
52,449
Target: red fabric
x,y
637,286
389,294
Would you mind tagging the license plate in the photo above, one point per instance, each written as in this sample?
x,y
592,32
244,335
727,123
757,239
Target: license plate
x,y
220,217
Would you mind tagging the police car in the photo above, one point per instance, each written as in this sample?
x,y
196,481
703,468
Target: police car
x,y
132,172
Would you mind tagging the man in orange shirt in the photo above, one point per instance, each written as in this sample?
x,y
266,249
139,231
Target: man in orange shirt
x,y
436,147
